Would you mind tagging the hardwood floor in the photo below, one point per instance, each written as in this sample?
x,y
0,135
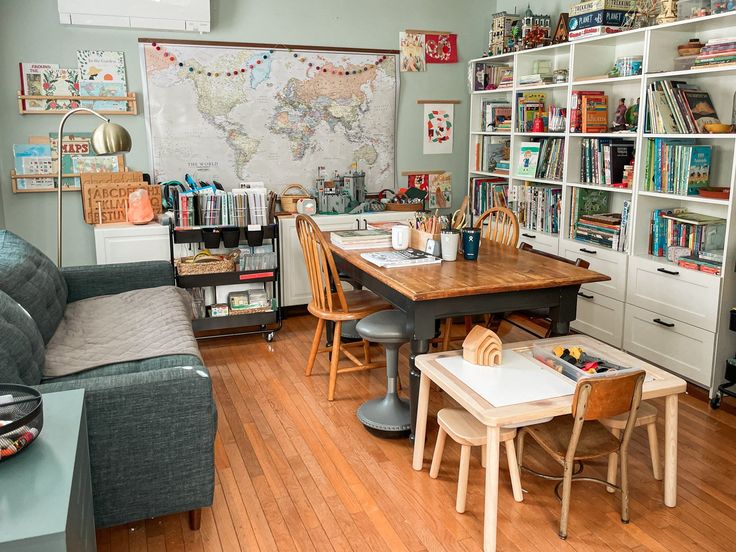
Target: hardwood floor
x,y
295,472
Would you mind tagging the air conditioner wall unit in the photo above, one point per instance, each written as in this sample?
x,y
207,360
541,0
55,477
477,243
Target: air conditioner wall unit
x,y
167,15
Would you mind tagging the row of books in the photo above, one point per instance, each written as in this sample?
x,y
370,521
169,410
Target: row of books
x,y
536,207
529,105
588,111
676,107
487,193
606,162
41,158
495,116
716,52
489,151
677,166
98,73
543,159
700,238
209,207
489,76
592,221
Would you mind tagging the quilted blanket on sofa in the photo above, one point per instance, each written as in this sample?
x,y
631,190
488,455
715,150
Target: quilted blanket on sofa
x,y
134,325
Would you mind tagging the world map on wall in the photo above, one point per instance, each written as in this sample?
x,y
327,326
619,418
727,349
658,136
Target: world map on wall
x,y
242,114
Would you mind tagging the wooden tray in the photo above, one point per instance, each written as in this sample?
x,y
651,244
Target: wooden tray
x,y
105,195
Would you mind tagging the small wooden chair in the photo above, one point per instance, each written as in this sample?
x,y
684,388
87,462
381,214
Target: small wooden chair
x,y
499,225
468,432
331,303
646,416
537,321
570,439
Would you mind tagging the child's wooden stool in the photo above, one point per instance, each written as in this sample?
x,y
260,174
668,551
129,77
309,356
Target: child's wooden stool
x,y
468,432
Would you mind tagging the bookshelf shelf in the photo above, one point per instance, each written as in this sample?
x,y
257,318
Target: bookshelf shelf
x,y
489,174
494,91
690,198
482,133
130,100
636,282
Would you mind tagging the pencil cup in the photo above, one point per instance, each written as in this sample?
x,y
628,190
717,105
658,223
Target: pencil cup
x,y
400,237
471,242
450,240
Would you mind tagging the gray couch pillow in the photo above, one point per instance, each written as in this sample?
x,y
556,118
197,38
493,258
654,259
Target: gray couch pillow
x,y
22,351
33,280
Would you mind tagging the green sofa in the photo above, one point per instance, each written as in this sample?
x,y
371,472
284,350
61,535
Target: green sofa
x,y
151,422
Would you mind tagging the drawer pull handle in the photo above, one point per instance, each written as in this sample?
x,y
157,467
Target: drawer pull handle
x,y
584,296
357,223
588,251
670,272
663,323
530,236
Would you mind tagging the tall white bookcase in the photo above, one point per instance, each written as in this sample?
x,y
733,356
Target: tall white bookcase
x,y
672,316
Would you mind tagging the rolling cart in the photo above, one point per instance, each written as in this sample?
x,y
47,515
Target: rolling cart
x,y
727,387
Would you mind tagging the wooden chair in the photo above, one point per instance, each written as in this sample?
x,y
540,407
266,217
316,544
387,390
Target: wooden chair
x,y
538,321
497,224
571,439
468,432
330,303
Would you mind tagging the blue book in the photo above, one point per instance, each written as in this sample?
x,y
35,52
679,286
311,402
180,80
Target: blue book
x,y
699,168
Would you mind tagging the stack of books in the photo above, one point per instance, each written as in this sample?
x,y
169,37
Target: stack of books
x,y
487,193
370,238
676,107
594,113
503,166
496,116
717,52
597,17
543,159
701,237
592,221
575,120
604,162
536,207
528,106
489,153
507,79
535,79
677,166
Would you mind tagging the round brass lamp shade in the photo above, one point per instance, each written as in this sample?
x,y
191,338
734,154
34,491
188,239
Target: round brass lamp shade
x,y
110,139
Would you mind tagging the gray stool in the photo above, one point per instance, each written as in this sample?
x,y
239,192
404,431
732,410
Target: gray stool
x,y
387,416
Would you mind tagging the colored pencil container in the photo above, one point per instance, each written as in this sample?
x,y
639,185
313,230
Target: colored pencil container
x,y
21,418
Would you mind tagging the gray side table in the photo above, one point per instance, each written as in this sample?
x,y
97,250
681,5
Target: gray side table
x,y
46,490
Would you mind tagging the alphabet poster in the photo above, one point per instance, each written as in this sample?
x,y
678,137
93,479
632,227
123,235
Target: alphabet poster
x,y
437,127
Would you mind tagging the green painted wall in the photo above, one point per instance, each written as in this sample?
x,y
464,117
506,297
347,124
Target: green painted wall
x,y
29,31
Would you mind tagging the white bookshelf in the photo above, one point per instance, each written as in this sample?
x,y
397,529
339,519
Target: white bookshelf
x,y
672,316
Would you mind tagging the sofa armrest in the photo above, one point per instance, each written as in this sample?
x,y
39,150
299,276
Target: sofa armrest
x,y
151,441
94,280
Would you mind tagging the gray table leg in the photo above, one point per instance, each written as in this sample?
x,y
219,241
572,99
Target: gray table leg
x,y
566,312
418,347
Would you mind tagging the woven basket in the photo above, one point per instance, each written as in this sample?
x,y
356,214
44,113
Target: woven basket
x,y
184,266
404,206
288,201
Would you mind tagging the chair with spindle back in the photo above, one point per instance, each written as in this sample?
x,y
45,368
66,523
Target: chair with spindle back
x,y
330,303
499,225
581,436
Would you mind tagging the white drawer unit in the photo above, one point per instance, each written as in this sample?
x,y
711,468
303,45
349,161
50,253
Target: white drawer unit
x,y
128,243
610,263
544,242
600,317
678,347
685,295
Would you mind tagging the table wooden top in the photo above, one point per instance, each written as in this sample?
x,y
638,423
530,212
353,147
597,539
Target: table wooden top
x,y
663,384
499,269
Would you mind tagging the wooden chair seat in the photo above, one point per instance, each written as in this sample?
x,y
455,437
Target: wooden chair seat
x,y
647,414
464,429
361,303
554,437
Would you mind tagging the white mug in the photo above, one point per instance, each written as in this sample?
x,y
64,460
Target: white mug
x,y
450,240
400,237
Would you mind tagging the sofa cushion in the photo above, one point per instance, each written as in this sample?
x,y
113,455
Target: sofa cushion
x,y
126,327
34,281
21,345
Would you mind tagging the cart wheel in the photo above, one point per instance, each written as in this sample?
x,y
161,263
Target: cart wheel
x,y
715,402
268,337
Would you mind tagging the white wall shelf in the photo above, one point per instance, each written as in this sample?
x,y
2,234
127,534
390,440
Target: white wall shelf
x,y
642,286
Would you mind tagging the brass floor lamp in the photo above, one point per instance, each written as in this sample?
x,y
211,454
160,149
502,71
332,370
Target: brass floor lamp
x,y
107,139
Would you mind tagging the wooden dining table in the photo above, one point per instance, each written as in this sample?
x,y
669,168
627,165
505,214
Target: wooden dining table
x,y
502,279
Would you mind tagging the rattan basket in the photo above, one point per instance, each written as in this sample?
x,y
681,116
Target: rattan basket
x,y
288,201
185,266
21,418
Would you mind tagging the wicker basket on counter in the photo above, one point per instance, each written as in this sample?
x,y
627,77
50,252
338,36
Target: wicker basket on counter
x,y
288,200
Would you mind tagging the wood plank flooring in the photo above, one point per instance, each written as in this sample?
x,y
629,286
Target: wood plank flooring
x,y
295,472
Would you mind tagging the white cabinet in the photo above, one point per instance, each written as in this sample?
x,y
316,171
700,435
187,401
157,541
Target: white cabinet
x,y
295,289
599,316
543,242
127,243
610,263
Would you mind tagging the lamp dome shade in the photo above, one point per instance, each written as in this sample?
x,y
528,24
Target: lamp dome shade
x,y
110,139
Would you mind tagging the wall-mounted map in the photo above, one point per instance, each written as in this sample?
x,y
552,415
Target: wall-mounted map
x,y
246,113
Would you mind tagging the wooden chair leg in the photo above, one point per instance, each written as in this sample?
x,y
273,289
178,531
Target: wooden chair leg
x,y
315,346
468,323
514,470
334,361
613,464
483,455
195,519
566,490
439,449
625,486
366,352
462,479
654,451
447,334
520,447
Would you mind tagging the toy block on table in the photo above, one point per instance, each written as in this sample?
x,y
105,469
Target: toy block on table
x,y
482,346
